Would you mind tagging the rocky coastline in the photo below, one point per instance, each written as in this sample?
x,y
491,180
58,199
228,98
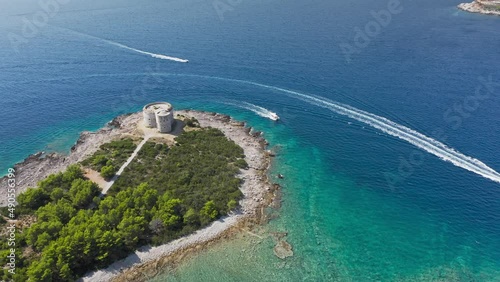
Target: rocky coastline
x,y
487,7
39,165
146,262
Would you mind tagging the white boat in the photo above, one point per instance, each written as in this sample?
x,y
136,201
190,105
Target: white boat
x,y
274,116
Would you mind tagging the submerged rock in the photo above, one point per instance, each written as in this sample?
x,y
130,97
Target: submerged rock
x,y
283,249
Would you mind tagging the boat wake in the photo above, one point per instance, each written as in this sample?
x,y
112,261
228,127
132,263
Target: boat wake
x,y
154,55
263,112
383,124
157,56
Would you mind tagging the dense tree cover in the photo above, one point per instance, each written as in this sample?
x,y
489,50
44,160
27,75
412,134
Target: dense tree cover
x,y
21,260
189,185
110,157
201,167
54,203
52,189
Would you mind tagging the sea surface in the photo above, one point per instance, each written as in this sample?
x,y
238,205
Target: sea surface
x,y
365,196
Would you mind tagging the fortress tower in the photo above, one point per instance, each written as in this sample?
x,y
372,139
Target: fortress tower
x,y
159,115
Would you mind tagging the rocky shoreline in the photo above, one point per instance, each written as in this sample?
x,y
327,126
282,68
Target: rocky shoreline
x,y
38,166
487,7
148,261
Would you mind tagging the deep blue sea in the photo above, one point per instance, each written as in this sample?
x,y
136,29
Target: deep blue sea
x,y
359,202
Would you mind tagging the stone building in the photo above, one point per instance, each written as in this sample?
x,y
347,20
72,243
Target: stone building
x,y
159,115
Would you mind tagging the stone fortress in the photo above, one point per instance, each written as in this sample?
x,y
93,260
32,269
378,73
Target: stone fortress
x,y
159,115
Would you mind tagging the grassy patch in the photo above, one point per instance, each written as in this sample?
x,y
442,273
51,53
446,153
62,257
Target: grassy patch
x,y
110,157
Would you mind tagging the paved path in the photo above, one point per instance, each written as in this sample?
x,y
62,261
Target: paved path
x,y
120,171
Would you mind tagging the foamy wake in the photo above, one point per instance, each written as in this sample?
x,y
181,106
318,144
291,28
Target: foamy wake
x,y
263,112
157,56
385,125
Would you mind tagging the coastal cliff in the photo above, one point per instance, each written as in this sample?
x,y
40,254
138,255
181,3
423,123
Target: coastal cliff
x,y
488,7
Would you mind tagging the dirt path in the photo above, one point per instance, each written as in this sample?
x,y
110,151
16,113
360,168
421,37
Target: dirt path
x,y
120,171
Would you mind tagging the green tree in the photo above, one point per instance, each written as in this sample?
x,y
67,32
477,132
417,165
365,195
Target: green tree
x,y
82,192
72,172
107,171
156,225
99,161
131,228
145,199
232,204
208,212
51,182
191,217
57,193
65,272
61,180
106,244
62,211
40,271
170,212
33,198
42,233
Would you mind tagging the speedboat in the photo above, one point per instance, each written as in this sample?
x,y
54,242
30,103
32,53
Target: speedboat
x,y
274,116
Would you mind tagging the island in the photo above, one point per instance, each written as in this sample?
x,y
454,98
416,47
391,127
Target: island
x,y
147,187
488,7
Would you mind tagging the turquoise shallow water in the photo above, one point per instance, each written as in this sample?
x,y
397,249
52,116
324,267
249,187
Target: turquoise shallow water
x,y
339,232
346,218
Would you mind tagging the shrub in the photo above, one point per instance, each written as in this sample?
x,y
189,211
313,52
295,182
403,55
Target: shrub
x,y
192,122
208,212
114,153
232,204
107,172
99,161
191,217
241,163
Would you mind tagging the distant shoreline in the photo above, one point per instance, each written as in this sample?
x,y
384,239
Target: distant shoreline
x,y
487,7
257,190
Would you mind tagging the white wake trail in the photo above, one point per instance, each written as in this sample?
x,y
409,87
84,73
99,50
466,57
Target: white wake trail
x,y
263,112
413,137
392,128
157,56
260,111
